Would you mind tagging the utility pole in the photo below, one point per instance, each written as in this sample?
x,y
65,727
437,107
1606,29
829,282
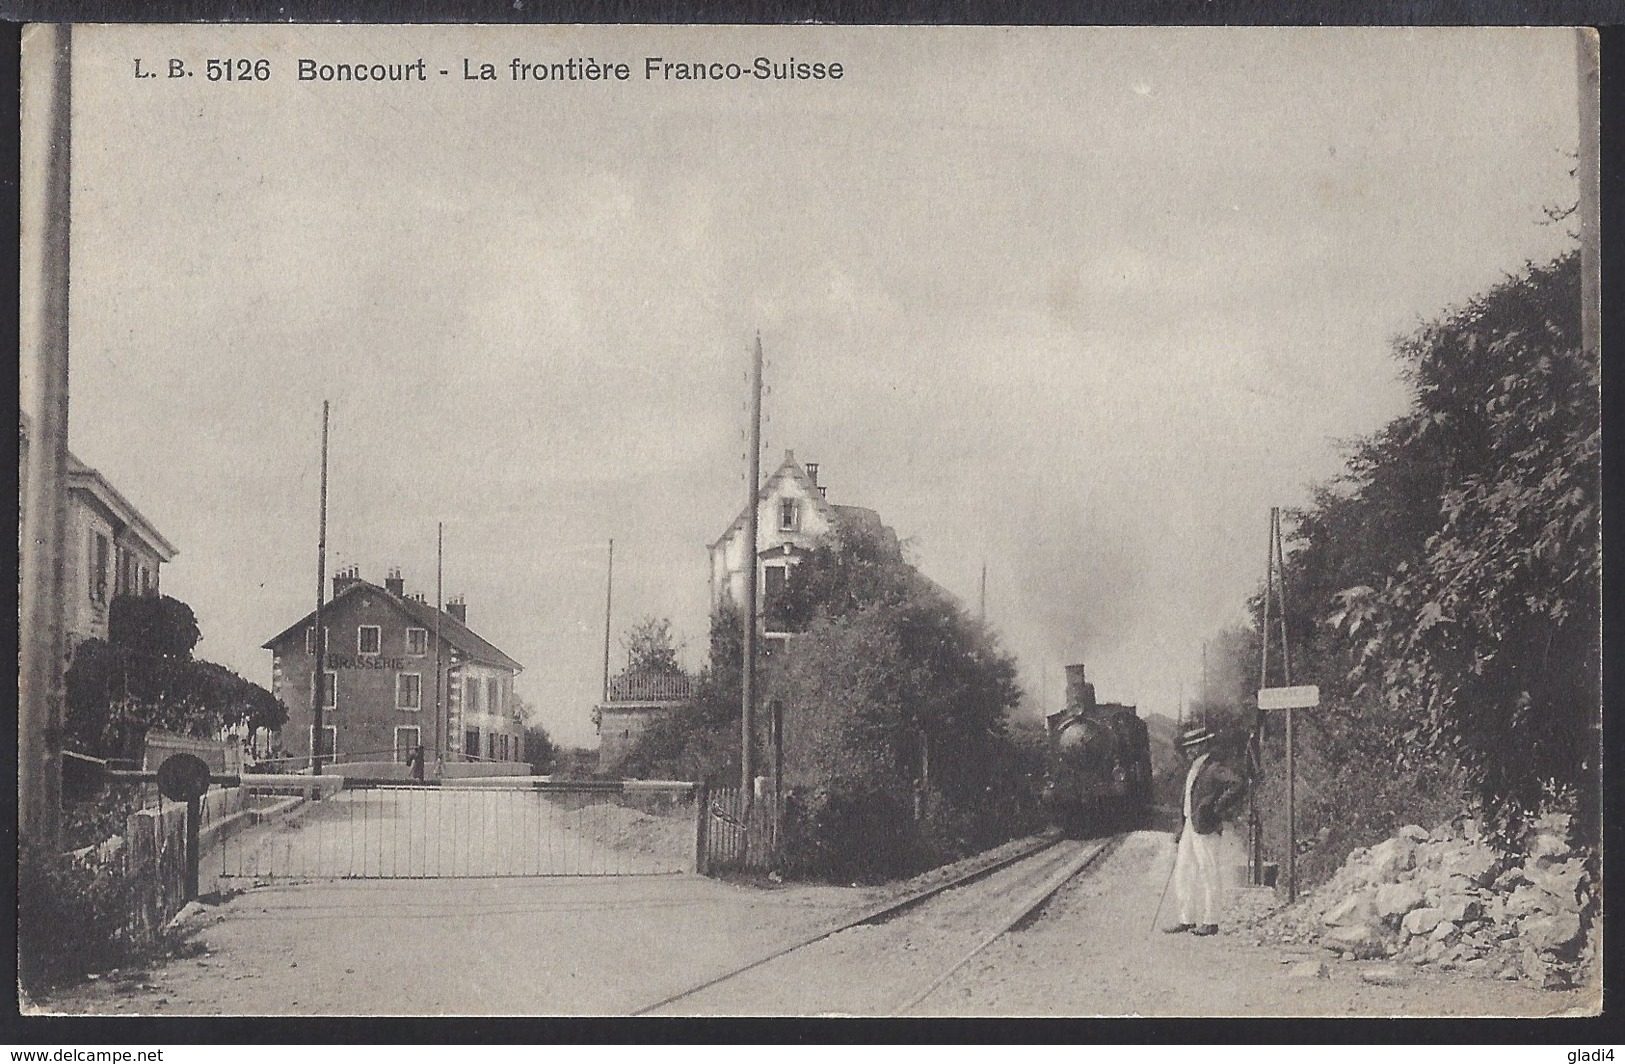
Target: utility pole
x,y
981,611
45,227
1255,835
440,737
609,598
1587,59
747,705
318,687
1291,765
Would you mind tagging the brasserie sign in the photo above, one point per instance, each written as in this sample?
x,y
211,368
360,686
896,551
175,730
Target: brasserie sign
x,y
346,661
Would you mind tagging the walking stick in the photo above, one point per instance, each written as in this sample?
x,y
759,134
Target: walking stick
x,y
1167,883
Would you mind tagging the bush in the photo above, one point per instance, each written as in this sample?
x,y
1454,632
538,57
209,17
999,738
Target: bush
x,y
849,830
74,916
1352,791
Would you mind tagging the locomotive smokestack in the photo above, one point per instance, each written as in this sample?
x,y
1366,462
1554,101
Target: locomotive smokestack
x,y
1079,694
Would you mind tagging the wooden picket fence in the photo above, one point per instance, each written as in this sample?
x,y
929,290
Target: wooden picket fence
x,y
725,840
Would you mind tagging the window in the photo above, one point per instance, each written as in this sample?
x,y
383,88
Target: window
x,y
471,742
146,581
407,738
471,695
773,581
369,639
417,642
98,567
330,692
330,744
789,514
408,690
493,695
310,639
491,745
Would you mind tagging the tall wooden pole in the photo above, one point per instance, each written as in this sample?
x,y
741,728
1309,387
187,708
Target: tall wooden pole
x,y
1255,835
1587,59
981,610
747,687
609,601
441,738
47,104
1291,764
318,686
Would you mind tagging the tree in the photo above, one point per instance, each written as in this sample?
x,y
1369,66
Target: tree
x,y
700,740
1493,633
890,687
144,677
539,748
163,627
651,648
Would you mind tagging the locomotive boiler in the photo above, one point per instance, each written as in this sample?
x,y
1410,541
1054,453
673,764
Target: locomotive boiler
x,y
1099,761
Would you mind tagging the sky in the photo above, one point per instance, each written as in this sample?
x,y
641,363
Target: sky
x,y
1080,305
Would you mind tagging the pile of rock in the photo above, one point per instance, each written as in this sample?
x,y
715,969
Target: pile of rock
x,y
1446,898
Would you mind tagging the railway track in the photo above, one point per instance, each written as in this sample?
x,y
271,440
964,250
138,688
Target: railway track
x,y
903,949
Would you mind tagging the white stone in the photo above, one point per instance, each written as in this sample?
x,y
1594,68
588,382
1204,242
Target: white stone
x,y
1383,975
1309,970
1422,921
1550,932
1397,899
1355,909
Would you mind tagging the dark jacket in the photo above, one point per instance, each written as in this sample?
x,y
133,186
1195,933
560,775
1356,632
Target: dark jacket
x,y
1217,795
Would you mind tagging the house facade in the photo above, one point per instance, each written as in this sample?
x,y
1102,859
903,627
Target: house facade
x,y
793,516
388,655
635,701
111,548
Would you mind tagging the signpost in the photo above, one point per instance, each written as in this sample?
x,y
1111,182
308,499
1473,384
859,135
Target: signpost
x,y
1288,699
185,778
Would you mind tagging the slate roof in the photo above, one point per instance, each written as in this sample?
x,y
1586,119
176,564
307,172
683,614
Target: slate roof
x,y
455,632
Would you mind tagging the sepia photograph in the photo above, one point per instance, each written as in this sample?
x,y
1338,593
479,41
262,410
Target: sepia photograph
x,y
809,521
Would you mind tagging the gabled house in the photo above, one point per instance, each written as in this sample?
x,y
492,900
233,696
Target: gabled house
x,y
111,548
380,694
793,515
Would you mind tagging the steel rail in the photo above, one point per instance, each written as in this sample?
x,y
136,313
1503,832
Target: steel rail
x,y
1018,913
868,915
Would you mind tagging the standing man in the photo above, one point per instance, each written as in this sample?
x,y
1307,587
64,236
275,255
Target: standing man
x,y
1213,794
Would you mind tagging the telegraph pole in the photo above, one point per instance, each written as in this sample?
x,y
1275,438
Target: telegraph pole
x,y
747,707
440,737
609,599
318,688
981,609
1587,59
1291,765
1255,834
45,218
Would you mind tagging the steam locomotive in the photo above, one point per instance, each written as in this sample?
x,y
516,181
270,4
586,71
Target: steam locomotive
x,y
1099,761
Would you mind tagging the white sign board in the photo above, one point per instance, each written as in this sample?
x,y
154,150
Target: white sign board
x,y
1289,697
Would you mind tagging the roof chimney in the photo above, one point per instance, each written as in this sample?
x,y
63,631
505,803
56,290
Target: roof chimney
x,y
393,583
458,608
345,578
1079,695
812,472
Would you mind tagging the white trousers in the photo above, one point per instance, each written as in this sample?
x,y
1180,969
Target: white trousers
x,y
1198,885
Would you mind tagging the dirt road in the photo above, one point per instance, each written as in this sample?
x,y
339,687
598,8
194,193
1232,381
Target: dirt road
x,y
605,946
